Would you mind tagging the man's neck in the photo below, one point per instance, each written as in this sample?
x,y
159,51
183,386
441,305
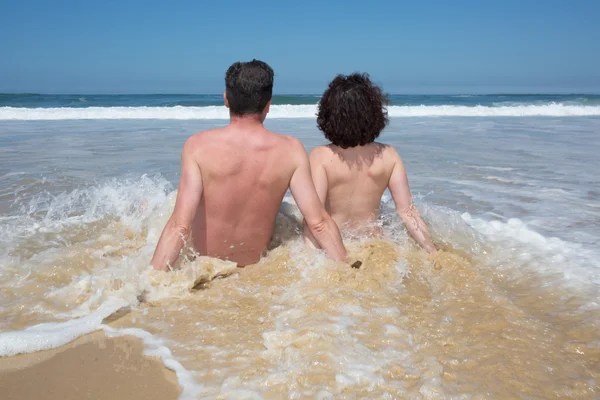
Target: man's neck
x,y
248,121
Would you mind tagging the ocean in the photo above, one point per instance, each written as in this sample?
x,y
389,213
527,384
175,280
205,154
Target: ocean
x,y
166,106
508,185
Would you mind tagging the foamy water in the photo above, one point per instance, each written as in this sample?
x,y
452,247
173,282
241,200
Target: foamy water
x,y
287,111
508,310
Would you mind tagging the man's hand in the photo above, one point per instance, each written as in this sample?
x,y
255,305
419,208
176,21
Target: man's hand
x,y
177,230
320,224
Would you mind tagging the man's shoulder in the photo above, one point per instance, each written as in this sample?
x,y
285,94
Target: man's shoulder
x,y
289,144
200,138
289,150
204,135
283,138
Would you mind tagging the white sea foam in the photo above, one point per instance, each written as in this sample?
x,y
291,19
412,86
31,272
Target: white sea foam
x,y
54,334
46,213
51,335
155,347
287,111
65,255
573,263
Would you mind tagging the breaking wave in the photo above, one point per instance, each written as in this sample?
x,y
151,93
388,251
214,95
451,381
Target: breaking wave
x,y
292,111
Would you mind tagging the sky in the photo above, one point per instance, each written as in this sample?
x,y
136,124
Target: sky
x,y
459,46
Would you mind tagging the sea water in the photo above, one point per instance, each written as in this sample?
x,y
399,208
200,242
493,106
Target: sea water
x,y
508,185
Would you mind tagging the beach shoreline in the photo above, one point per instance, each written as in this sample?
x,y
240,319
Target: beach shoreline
x,y
92,366
512,312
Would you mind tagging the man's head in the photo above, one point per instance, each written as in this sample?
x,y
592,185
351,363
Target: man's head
x,y
249,87
352,111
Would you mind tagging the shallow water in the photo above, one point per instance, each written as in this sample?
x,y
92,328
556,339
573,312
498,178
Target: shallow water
x,y
508,310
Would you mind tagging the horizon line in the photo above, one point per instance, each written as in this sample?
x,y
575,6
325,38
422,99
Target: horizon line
x,y
309,94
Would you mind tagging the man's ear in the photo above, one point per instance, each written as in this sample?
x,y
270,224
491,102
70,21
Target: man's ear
x,y
225,99
267,107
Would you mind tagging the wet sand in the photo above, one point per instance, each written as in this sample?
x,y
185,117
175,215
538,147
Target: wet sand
x,y
462,323
91,367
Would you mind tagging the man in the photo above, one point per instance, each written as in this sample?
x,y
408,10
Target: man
x,y
233,180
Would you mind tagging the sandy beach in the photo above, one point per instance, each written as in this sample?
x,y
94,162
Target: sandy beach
x,y
91,367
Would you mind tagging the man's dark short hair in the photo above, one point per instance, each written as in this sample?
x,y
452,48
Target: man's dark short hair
x,y
249,87
352,111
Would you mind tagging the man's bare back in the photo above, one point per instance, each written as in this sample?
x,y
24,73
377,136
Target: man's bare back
x,y
245,174
233,180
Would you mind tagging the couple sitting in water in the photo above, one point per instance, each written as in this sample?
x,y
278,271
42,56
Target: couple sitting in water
x,y
233,179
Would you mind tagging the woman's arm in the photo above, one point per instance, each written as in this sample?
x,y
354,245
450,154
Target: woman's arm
x,y
405,207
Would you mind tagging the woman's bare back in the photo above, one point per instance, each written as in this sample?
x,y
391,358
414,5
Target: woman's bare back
x,y
356,179
350,183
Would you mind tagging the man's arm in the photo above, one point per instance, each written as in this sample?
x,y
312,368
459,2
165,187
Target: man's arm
x,y
319,177
321,225
178,228
405,207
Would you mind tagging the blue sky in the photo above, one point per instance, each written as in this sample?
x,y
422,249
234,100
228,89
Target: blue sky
x,y
410,47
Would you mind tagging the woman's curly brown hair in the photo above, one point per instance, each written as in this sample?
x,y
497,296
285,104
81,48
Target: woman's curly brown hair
x,y
352,111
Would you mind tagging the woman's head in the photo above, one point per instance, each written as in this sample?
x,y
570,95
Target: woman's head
x,y
352,111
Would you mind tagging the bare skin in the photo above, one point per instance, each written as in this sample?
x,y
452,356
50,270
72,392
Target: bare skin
x,y
233,180
350,183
